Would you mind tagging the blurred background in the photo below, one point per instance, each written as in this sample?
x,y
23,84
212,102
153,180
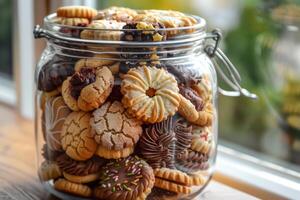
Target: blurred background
x,y
262,39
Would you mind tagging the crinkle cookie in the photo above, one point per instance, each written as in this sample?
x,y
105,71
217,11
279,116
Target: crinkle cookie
x,y
53,119
115,130
119,14
193,108
88,88
76,12
100,34
76,138
150,94
129,178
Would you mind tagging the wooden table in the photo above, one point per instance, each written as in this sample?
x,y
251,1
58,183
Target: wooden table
x,y
18,177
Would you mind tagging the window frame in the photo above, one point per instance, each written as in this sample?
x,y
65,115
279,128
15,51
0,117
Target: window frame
x,y
256,170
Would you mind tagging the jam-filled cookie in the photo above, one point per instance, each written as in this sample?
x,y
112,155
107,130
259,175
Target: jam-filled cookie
x,y
115,130
150,94
88,88
129,178
76,138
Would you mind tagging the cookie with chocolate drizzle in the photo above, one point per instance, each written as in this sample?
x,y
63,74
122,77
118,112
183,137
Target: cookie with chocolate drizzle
x,y
157,144
80,171
129,178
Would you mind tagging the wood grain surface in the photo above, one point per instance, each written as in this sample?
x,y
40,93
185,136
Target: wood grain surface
x,y
18,176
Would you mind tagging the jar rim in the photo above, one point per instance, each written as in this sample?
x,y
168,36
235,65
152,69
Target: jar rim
x,y
52,31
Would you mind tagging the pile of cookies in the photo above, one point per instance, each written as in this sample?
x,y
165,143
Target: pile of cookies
x,y
124,130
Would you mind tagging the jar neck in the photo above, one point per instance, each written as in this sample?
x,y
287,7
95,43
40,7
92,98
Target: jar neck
x,y
129,52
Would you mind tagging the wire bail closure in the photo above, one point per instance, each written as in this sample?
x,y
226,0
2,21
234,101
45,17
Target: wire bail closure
x,y
234,78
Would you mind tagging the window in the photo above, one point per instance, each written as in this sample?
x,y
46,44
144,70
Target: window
x,y
262,39
6,69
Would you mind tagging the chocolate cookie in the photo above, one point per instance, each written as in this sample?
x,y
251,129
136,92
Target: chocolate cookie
x,y
115,130
192,161
129,178
54,72
49,154
79,171
157,145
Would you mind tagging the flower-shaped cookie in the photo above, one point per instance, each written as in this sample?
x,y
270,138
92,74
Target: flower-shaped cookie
x,y
115,130
88,88
150,94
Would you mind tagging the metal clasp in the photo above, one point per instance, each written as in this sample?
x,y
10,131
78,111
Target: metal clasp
x,y
234,78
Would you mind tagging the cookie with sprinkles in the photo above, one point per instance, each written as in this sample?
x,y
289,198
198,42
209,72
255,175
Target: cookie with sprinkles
x,y
128,178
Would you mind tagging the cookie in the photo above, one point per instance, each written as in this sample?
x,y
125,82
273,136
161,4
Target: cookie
x,y
202,140
183,134
192,161
203,88
80,171
54,117
144,32
150,94
76,12
49,170
108,60
126,179
119,14
171,186
179,177
170,19
88,88
157,145
96,32
72,188
114,130
193,108
82,22
76,138
49,154
54,72
47,95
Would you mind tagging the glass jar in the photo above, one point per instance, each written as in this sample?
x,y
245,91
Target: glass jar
x,y
127,113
